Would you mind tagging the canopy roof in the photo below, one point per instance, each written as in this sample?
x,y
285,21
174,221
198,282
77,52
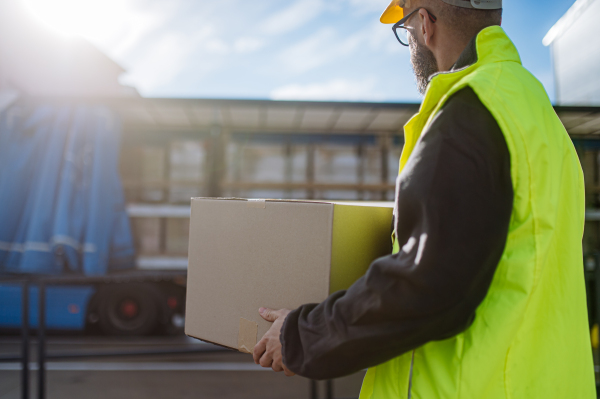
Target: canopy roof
x,y
266,116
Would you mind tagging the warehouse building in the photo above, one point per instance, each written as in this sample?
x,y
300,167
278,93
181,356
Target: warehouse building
x,y
575,48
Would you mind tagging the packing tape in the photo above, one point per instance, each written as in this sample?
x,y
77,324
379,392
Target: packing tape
x,y
256,203
247,335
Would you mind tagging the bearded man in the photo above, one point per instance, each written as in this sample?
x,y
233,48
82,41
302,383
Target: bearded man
x,y
483,296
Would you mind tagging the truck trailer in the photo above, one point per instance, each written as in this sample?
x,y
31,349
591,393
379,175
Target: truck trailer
x,y
95,188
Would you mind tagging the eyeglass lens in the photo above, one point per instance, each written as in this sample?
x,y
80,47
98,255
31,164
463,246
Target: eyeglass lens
x,y
402,35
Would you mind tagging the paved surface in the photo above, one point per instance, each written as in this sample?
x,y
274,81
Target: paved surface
x,y
205,375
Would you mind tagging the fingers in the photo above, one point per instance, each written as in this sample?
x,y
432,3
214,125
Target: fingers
x,y
287,371
268,314
266,359
259,349
277,366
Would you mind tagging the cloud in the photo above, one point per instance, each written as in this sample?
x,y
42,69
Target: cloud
x,y
309,53
368,6
334,90
158,67
328,45
168,40
160,63
248,45
295,16
216,46
131,23
204,49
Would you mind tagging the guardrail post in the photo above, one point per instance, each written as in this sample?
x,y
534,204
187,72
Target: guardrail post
x,y
42,341
385,143
25,340
289,167
310,171
329,389
216,161
361,154
313,389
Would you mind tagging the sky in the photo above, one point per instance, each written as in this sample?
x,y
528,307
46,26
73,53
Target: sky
x,y
271,49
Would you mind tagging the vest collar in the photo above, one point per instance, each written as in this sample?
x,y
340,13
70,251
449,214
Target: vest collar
x,y
491,45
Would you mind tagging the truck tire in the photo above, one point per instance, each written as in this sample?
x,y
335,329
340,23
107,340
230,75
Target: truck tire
x,y
129,309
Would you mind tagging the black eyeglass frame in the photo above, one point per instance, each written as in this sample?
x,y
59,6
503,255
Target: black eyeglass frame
x,y
400,24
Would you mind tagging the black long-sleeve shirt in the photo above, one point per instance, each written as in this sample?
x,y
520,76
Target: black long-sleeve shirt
x,y
453,210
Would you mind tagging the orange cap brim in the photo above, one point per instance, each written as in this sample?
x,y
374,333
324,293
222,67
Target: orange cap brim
x,y
393,13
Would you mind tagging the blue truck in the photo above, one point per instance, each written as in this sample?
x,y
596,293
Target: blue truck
x,y
63,213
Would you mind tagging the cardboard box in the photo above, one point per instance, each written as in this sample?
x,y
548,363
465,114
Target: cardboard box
x,y
244,254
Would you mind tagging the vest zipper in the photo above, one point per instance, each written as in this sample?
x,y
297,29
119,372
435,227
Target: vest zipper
x,y
410,375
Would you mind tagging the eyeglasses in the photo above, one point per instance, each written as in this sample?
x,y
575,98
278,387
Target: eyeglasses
x,y
401,31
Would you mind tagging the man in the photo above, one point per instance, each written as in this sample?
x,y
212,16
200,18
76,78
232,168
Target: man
x,y
483,296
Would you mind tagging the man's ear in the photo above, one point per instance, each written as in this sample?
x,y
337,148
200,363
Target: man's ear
x,y
427,27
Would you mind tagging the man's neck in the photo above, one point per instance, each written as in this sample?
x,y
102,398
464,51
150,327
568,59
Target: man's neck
x,y
448,52
468,57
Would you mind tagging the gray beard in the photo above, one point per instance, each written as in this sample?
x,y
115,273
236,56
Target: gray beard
x,y
423,63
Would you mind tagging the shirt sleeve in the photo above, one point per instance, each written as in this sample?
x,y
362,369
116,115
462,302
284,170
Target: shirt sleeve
x,y
454,204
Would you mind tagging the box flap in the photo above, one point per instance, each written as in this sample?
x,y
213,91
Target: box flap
x,y
361,234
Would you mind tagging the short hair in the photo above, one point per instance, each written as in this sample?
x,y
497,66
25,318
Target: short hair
x,y
467,21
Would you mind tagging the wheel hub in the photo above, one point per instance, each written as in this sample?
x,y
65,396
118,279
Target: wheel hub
x,y
129,309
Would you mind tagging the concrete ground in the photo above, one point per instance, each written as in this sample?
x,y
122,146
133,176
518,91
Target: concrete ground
x,y
206,375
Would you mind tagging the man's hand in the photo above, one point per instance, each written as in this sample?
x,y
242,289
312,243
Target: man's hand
x,y
267,351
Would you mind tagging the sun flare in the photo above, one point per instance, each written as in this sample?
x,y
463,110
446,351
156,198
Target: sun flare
x,y
95,20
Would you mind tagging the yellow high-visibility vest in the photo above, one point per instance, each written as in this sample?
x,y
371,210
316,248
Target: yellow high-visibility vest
x,y
530,337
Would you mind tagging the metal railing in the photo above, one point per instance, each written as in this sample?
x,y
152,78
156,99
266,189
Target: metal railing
x,y
26,282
